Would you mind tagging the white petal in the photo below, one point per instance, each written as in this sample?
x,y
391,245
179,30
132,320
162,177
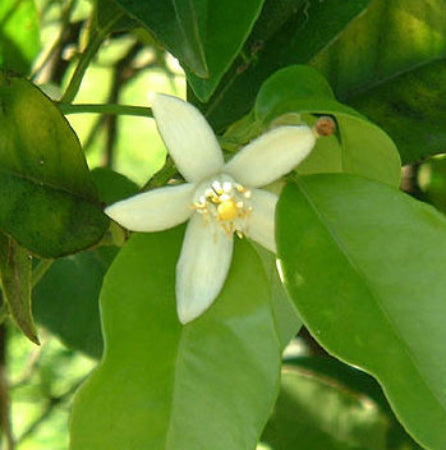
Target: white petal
x,y
154,210
188,137
262,219
272,155
202,268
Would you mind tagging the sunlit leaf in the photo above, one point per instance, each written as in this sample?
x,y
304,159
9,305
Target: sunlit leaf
x,y
48,201
359,147
287,32
19,35
164,385
288,322
363,264
390,65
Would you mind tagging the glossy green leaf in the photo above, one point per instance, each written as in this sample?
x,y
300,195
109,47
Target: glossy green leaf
x,y
48,201
225,27
359,147
208,384
15,276
287,32
364,264
175,23
19,35
390,65
317,412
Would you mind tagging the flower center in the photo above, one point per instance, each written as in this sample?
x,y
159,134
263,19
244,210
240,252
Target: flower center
x,y
222,200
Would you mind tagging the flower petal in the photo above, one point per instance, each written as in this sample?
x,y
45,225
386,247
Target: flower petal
x,y
272,155
189,138
262,219
202,268
154,210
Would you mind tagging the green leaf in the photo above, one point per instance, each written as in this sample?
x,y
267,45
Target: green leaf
x,y
347,420
225,27
19,35
390,65
164,385
113,186
175,23
48,201
288,322
359,147
287,32
364,387
16,275
363,264
66,300
110,16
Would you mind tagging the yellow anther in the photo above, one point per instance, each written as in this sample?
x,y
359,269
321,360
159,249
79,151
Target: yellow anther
x,y
227,210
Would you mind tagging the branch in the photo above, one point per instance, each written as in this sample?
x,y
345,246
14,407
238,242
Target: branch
x,y
105,109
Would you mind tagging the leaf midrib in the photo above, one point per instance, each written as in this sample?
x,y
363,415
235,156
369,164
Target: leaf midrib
x,y
48,185
350,260
367,87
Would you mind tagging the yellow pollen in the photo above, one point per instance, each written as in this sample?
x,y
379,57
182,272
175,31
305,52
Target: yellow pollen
x,y
227,210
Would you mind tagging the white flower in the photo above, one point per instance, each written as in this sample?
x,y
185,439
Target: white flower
x,y
218,199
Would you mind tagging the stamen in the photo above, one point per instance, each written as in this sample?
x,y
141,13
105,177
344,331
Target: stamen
x,y
226,202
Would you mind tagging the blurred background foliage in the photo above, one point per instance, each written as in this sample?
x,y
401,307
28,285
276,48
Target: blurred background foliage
x,y
43,40
40,381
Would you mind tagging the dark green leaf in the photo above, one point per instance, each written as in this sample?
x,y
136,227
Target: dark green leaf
x,y
287,32
359,147
19,35
364,264
48,201
16,275
113,186
110,16
390,65
207,384
66,300
317,412
363,386
175,23
225,27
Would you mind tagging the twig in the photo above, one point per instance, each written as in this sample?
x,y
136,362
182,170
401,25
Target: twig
x,y
128,110
52,403
5,417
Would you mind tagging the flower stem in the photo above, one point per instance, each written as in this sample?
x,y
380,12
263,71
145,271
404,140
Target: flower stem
x,y
143,111
40,270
